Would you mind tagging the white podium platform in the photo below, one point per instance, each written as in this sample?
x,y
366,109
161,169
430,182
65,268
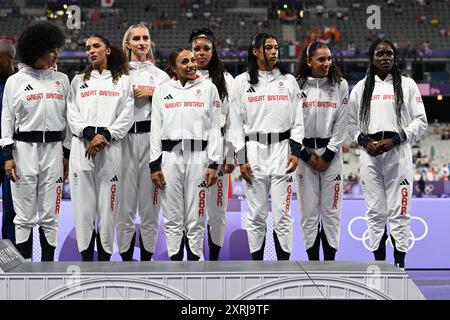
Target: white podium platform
x,y
207,280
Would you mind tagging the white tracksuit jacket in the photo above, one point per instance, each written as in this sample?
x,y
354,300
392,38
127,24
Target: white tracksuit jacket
x,y
387,179
35,100
183,113
95,183
271,106
138,191
218,193
325,116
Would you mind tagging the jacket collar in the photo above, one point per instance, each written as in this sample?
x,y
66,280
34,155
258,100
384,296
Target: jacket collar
x,y
190,83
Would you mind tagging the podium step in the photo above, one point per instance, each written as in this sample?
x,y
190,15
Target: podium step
x,y
206,280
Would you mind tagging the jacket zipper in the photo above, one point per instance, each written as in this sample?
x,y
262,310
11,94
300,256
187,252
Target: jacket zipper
x,y
45,109
315,114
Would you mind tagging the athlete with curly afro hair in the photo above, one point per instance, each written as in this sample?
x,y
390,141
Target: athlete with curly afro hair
x,y
35,138
37,39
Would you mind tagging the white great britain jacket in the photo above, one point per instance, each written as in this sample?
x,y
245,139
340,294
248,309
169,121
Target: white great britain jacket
x,y
99,103
145,75
325,113
35,100
271,106
191,112
225,119
382,109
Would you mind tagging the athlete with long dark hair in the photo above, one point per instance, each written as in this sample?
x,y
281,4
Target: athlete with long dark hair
x,y
386,115
267,132
211,67
100,114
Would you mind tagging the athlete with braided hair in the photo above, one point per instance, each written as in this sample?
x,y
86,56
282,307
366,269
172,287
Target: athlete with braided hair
x,y
386,115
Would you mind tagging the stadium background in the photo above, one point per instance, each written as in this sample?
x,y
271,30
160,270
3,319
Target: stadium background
x,y
420,29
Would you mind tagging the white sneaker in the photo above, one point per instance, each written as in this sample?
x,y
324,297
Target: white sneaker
x,y
398,266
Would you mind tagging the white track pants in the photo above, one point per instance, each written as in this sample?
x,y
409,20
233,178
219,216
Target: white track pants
x,y
138,192
320,196
39,188
387,181
217,207
184,199
268,163
95,187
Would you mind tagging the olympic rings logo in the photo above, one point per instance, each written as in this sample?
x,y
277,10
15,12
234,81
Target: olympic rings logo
x,y
429,188
365,236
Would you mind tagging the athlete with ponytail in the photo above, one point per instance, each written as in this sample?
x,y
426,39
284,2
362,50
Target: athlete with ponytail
x,y
324,101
